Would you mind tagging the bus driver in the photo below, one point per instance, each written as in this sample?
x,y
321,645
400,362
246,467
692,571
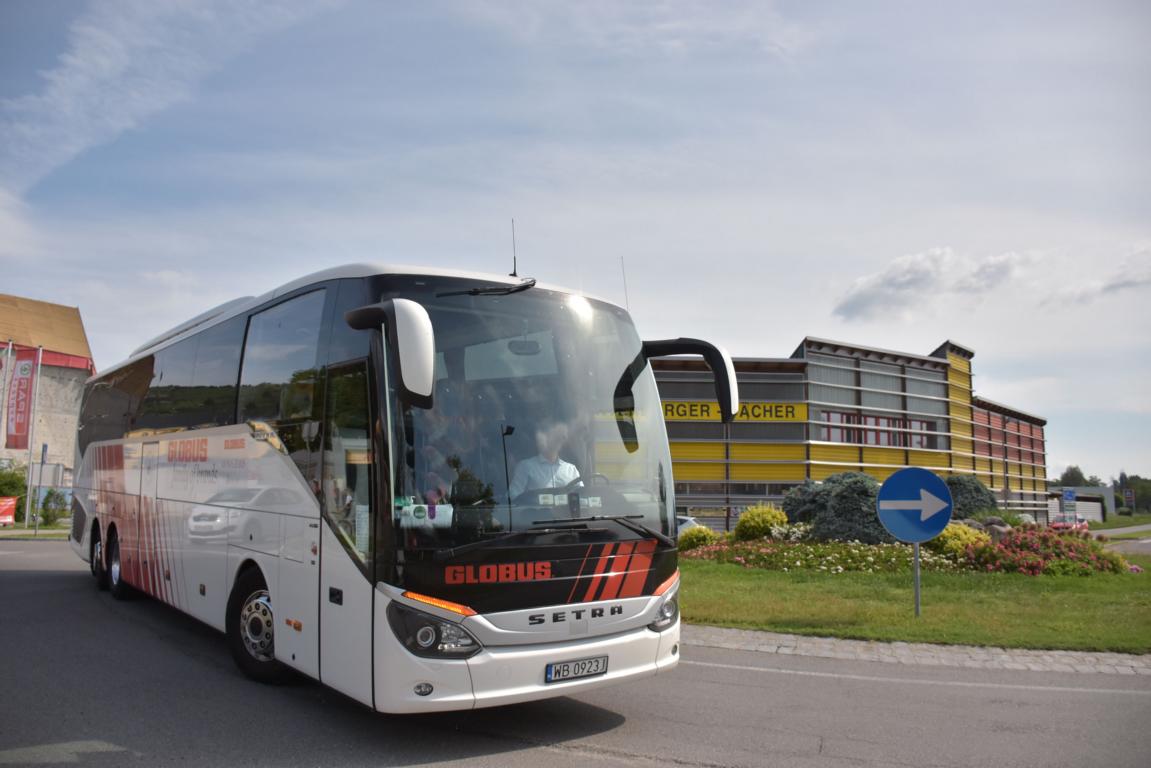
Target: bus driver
x,y
546,469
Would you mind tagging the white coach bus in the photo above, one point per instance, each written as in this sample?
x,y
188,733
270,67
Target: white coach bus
x,y
429,490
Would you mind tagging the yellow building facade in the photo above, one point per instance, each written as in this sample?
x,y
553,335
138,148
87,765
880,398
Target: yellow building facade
x,y
834,407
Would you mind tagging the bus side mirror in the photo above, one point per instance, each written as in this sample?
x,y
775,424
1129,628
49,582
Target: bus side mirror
x,y
726,387
411,343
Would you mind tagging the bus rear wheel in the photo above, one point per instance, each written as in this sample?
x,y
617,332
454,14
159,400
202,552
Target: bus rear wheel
x,y
114,572
252,629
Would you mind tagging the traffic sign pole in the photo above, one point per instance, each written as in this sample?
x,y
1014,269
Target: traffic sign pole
x,y
914,505
917,579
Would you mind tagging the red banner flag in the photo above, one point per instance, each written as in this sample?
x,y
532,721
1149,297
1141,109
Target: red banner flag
x,y
8,510
20,399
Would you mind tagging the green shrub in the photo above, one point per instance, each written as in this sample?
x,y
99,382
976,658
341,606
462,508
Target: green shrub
x,y
53,507
757,521
955,539
849,514
12,484
697,536
802,502
969,496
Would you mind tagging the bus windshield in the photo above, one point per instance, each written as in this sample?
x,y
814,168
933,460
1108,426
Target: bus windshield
x,y
544,413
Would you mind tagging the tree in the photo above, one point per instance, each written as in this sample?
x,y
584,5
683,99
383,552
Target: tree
x,y
968,496
1094,481
1072,477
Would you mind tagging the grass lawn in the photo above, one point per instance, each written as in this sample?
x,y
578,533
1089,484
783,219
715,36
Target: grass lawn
x,y
1130,536
1101,612
1121,521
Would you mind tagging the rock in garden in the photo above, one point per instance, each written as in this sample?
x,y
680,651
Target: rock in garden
x,y
998,532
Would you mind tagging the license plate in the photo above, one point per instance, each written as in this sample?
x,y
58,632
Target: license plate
x,y
570,670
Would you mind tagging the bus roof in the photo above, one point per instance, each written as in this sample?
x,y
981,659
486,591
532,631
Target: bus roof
x,y
234,307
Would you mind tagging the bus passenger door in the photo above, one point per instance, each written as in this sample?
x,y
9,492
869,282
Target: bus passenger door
x,y
345,588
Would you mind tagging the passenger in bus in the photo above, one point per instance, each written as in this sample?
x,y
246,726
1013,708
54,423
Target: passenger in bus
x,y
546,469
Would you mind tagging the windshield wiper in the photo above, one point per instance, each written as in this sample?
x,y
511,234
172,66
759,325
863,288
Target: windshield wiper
x,y
627,521
447,554
493,290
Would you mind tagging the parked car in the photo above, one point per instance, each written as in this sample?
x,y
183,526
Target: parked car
x,y
683,523
1067,523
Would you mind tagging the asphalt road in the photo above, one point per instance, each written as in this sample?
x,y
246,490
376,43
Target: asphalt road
x,y
90,681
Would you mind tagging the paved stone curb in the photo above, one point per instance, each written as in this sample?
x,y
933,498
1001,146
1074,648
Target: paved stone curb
x,y
926,654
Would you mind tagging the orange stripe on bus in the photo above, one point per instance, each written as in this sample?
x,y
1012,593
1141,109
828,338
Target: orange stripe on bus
x,y
575,582
619,570
598,573
640,564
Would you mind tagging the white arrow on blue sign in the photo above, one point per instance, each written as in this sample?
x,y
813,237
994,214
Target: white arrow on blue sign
x,y
914,505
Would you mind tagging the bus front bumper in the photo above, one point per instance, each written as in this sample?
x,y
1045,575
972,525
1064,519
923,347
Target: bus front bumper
x,y
514,674
500,675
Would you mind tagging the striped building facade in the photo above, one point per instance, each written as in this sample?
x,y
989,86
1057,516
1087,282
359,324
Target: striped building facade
x,y
835,407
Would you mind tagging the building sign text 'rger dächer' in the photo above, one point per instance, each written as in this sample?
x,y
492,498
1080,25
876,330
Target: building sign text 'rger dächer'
x,y
708,411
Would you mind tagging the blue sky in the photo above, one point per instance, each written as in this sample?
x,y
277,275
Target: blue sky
x,y
892,174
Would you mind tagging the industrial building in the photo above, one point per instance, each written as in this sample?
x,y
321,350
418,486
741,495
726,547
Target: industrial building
x,y
835,407
53,401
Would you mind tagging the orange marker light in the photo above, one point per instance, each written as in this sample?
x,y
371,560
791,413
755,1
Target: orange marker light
x,y
668,584
462,610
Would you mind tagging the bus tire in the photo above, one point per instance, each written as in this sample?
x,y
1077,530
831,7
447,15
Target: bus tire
x,y
96,560
251,629
114,573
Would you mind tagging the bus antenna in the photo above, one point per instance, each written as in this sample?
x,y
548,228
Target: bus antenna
x,y
623,271
515,269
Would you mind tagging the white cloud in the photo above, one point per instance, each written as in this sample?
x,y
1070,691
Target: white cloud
x,y
1133,274
671,27
919,279
18,237
126,61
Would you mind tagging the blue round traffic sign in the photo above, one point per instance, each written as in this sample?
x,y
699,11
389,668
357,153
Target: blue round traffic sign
x,y
914,505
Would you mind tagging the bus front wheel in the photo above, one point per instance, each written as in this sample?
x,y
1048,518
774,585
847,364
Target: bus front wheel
x,y
252,629
96,563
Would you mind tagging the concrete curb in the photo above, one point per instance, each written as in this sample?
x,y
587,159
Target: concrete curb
x,y
924,654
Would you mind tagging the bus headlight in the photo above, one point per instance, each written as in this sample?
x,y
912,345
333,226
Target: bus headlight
x,y
429,636
668,613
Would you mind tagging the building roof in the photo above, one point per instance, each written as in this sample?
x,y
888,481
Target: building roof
x,y
828,345
952,346
32,323
742,364
991,405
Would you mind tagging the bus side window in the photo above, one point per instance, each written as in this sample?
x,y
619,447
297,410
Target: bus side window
x,y
278,377
348,457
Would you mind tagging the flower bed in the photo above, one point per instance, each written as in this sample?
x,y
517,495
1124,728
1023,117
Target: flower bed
x,y
1034,551
826,557
1029,551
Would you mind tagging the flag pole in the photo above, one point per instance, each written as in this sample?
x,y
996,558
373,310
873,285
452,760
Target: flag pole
x,y
4,384
31,431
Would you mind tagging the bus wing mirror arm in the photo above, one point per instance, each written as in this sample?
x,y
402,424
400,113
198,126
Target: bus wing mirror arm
x,y
726,387
410,342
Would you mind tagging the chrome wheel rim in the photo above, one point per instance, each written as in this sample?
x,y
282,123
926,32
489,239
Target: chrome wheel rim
x,y
256,628
114,566
97,556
